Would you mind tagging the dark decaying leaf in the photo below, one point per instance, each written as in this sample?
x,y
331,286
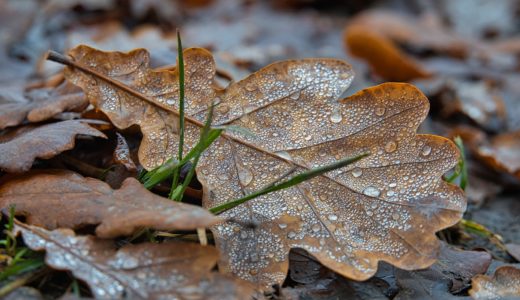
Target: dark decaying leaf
x,y
505,284
513,250
450,274
142,271
20,151
384,207
66,199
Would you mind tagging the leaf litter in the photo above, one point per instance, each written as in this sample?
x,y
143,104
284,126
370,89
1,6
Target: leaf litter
x,y
345,218
477,70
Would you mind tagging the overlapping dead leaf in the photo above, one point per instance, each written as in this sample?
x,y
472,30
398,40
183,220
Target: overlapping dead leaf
x,y
385,207
144,271
77,201
20,151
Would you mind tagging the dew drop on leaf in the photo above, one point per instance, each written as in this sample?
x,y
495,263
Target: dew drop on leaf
x,y
426,150
245,176
390,146
371,191
380,111
336,117
357,172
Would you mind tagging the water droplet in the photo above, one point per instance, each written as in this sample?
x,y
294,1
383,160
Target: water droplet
x,y
395,216
245,176
426,150
380,111
284,154
323,197
308,138
250,87
322,153
248,109
243,234
392,184
373,205
282,225
322,242
170,101
390,193
332,218
253,272
390,146
336,117
291,234
254,257
295,95
275,134
371,191
357,172
315,227
130,263
369,213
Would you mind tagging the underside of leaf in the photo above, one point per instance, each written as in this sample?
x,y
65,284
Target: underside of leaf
x,y
384,207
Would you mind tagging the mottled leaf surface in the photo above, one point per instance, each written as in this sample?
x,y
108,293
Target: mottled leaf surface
x,y
66,199
19,152
384,207
504,284
142,271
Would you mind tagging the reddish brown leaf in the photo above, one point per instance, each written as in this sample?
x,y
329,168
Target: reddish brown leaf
x,y
385,207
383,55
77,201
505,284
19,152
143,271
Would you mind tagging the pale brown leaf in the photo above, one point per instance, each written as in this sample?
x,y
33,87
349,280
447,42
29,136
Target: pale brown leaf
x,y
502,152
19,152
143,271
505,284
66,199
384,207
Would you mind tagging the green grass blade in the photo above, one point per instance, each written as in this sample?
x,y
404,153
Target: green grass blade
x,y
461,171
180,68
178,193
287,183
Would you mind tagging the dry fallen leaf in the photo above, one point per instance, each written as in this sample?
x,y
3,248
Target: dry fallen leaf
x,y
39,105
505,284
78,201
142,271
502,152
384,207
19,152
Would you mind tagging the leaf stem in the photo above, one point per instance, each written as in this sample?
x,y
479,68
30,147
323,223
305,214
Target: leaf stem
x,y
287,183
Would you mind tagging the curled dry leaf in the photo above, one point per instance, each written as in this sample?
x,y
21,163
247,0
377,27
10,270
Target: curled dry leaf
x,y
39,105
77,201
122,153
384,207
505,284
502,153
384,57
20,151
143,271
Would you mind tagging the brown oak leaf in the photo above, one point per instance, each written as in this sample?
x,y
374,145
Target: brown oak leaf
x,y
142,271
78,201
384,207
505,284
20,151
502,152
